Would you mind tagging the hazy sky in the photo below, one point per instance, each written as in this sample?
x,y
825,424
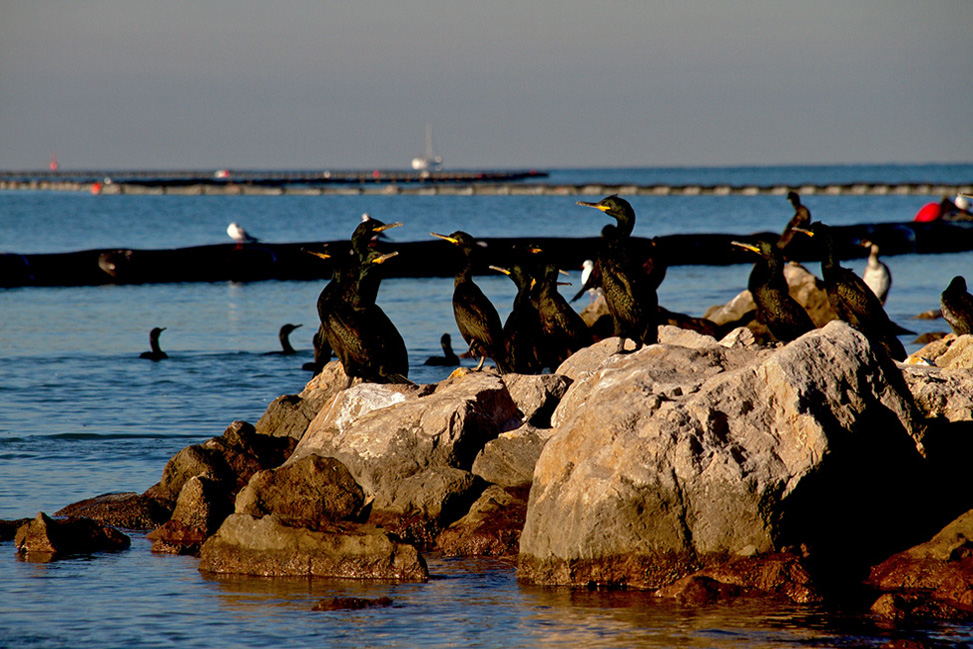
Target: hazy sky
x,y
538,83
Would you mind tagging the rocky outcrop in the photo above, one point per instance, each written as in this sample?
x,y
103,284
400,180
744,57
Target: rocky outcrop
x,y
509,459
127,510
202,505
933,580
45,538
266,547
776,575
675,457
536,395
491,528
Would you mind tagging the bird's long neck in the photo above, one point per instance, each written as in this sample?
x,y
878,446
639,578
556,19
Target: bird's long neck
x,y
154,344
465,271
285,343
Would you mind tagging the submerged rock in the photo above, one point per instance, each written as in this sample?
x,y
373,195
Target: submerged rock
x,y
780,575
127,510
266,547
673,458
45,538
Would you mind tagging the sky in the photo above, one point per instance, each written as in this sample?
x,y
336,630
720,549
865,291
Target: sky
x,y
246,84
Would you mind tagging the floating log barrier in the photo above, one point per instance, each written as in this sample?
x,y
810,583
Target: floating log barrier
x,y
433,258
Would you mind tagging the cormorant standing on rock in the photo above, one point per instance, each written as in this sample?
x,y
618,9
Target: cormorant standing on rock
x,y
876,274
631,298
851,298
563,331
285,342
476,317
522,330
957,305
784,317
156,354
366,233
449,357
801,219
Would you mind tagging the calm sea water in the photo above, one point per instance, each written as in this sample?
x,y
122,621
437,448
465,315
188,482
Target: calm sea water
x,y
81,414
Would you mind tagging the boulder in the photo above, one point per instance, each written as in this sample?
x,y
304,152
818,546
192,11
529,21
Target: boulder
x,y
310,492
932,580
673,458
941,394
949,352
127,510
776,575
8,528
491,528
289,415
384,434
45,538
266,547
536,395
202,506
509,459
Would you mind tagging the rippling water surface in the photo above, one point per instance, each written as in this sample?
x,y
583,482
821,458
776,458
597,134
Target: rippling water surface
x,y
81,414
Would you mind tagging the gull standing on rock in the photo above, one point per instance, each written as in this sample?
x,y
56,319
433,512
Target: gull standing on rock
x,y
238,234
876,274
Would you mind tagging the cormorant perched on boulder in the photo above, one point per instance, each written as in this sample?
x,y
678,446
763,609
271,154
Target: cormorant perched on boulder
x,y
522,330
957,305
476,317
631,297
783,316
851,298
563,331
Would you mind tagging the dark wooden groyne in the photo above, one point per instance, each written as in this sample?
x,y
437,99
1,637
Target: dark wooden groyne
x,y
433,258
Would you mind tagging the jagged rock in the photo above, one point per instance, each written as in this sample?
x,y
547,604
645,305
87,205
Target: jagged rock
x,y
202,506
932,580
949,352
265,547
128,510
45,538
230,459
779,574
351,603
536,395
670,459
509,459
310,492
384,445
491,528
419,507
945,394
289,415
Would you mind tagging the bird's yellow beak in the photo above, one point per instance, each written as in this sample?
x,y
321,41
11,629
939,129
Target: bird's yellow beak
x,y
745,246
597,206
381,259
322,255
444,238
500,270
803,231
388,226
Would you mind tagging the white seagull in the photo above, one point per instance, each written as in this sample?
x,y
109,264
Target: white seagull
x,y
238,234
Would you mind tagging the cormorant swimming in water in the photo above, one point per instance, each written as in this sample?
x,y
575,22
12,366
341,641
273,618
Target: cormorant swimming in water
x,y
156,354
876,274
238,234
285,342
522,330
631,297
957,305
784,317
801,219
449,357
476,317
851,298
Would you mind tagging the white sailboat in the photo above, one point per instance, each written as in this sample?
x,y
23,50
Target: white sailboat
x,y
431,162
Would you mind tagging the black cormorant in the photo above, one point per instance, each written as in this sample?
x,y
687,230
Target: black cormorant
x,y
285,342
476,317
522,330
156,353
449,357
801,219
783,316
366,233
631,298
851,298
563,331
957,305
876,274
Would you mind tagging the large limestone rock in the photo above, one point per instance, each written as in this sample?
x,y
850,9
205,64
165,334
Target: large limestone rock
x,y
289,415
385,434
509,459
44,538
674,457
491,528
266,547
537,395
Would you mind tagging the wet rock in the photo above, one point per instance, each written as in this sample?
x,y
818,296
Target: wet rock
x,y
419,507
509,459
351,603
266,547
127,510
667,460
45,538
491,528
230,460
779,574
536,395
289,415
394,434
202,506
932,580
310,492
8,528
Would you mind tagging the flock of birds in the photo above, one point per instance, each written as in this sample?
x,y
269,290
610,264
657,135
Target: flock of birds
x,y
542,329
